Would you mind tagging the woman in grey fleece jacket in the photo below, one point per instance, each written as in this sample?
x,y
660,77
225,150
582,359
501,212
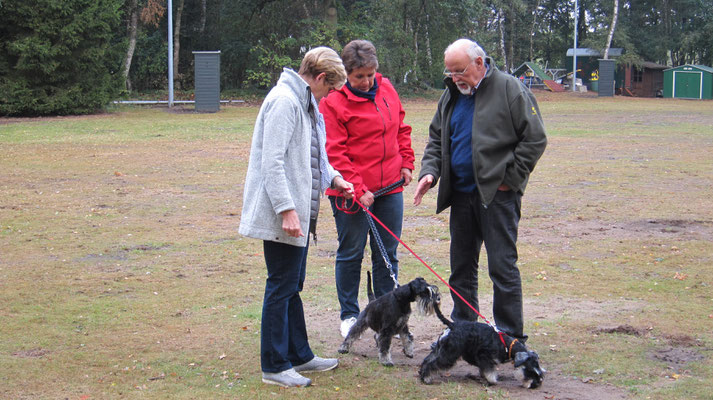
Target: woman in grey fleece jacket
x,y
287,171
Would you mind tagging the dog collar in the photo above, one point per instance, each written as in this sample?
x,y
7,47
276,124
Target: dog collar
x,y
510,348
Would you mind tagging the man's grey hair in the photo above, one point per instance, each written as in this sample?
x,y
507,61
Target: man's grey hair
x,y
469,46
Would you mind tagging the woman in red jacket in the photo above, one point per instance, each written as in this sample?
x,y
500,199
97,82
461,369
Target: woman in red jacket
x,y
370,145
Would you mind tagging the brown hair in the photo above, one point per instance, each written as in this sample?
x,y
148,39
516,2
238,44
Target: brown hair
x,y
359,54
323,59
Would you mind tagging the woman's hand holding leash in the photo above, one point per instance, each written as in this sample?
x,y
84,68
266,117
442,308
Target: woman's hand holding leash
x,y
345,187
406,176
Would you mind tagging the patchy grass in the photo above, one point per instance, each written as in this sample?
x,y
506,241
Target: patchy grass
x,y
122,273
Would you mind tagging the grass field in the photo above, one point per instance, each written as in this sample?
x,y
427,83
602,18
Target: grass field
x,y
122,274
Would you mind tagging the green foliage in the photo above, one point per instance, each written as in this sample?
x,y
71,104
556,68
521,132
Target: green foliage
x,y
65,57
271,62
150,62
58,57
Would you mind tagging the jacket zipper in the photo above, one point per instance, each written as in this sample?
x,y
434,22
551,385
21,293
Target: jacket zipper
x,y
383,140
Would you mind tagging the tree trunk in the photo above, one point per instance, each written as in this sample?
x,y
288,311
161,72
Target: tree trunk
x,y
532,30
204,7
501,26
611,30
331,14
132,29
511,40
177,41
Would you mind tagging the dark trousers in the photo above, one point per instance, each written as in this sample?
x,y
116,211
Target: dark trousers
x,y
283,334
352,232
471,226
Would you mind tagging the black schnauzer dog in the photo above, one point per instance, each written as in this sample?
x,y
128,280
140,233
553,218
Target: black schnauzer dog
x,y
388,316
480,345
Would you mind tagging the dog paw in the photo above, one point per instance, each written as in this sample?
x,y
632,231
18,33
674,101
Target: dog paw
x,y
387,364
427,380
343,350
408,354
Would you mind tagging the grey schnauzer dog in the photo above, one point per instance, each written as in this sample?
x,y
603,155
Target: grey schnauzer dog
x,y
388,316
480,345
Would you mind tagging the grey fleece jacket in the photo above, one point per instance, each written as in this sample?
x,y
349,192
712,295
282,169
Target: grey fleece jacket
x,y
279,176
508,137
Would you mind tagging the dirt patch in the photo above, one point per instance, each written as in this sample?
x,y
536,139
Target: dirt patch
x,y
32,353
677,358
555,231
622,329
426,329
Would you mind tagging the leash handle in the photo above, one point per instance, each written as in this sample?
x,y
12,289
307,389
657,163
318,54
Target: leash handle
x,y
354,207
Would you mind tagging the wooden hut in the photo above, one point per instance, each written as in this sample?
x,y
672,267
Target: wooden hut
x,y
645,80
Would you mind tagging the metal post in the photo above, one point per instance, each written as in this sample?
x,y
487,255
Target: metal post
x,y
574,56
170,53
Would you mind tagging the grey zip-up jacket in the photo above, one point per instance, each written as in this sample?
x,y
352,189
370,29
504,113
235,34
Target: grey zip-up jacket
x,y
508,137
279,176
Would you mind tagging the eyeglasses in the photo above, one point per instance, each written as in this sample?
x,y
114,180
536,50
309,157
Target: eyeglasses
x,y
458,74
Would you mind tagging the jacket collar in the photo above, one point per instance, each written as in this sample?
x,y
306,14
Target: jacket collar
x,y
298,86
352,97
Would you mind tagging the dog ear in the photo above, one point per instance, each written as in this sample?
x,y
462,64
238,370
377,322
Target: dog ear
x,y
520,358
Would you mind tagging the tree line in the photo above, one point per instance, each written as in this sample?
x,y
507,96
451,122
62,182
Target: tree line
x,y
74,56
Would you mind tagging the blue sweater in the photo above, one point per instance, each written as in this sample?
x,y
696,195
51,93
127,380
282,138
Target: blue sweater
x,y
461,146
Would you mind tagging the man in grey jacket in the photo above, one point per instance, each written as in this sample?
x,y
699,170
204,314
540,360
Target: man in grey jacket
x,y
287,172
484,142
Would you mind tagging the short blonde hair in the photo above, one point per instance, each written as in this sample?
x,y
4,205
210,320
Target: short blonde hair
x,y
323,59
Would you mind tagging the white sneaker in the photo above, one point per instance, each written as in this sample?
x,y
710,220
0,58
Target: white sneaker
x,y
346,326
288,378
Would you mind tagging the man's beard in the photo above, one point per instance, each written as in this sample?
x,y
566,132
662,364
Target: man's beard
x,y
467,91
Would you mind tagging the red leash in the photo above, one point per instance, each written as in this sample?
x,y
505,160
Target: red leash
x,y
492,325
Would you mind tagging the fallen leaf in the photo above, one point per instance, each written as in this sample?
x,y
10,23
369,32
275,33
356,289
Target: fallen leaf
x,y
117,173
222,356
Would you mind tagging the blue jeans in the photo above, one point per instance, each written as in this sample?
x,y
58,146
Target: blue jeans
x,y
471,226
352,231
283,334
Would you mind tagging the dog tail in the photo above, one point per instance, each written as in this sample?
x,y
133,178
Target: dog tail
x,y
369,289
440,315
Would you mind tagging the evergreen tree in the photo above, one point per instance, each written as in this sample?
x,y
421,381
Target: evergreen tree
x,y
59,57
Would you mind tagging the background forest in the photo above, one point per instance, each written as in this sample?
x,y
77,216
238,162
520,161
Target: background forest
x,y
73,56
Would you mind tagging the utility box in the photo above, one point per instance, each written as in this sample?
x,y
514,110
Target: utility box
x,y
207,80
606,77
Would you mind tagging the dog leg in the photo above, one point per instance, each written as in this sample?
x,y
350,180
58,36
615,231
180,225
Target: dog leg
x,y
442,357
407,343
385,349
359,327
490,375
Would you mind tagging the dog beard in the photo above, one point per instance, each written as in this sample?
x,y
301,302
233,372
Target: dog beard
x,y
425,306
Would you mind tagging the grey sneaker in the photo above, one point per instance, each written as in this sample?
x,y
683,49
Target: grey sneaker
x,y
318,364
288,378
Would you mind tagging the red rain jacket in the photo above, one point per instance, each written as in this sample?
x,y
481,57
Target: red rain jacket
x,y
367,141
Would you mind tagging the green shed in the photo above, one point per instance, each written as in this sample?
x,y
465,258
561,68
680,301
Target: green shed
x,y
688,82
